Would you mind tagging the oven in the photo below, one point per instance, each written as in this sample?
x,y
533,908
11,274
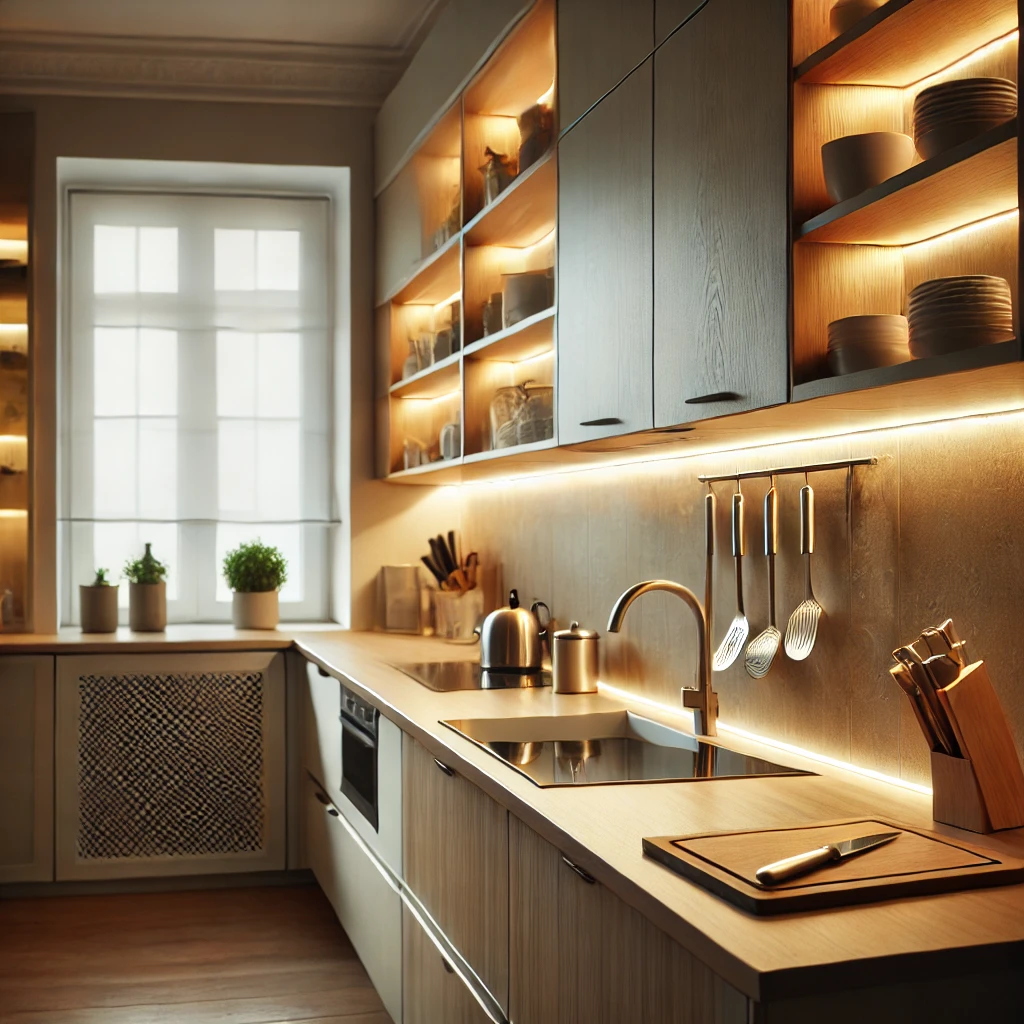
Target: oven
x,y
360,731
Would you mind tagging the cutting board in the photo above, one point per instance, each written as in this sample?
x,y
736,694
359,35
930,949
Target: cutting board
x,y
918,863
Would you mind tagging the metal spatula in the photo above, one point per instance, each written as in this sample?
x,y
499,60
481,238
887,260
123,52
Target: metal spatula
x,y
803,623
762,649
730,647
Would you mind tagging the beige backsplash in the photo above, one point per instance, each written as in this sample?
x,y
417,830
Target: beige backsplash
x,y
933,529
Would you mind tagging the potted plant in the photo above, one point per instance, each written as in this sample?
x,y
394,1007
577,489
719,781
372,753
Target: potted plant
x,y
147,593
98,602
255,572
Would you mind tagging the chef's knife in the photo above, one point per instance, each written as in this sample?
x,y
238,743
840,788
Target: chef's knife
x,y
792,867
434,571
906,683
437,549
911,660
444,555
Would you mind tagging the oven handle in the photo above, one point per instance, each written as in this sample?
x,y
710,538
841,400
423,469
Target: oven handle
x,y
356,731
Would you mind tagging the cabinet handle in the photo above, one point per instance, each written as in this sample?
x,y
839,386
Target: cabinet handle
x,y
447,966
448,771
715,396
322,671
586,876
328,806
602,421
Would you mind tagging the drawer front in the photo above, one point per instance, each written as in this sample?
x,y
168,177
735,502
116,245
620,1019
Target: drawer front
x,y
321,732
169,764
368,907
455,840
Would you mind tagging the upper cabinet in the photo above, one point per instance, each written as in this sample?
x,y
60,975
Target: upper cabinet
x,y
599,43
721,222
605,298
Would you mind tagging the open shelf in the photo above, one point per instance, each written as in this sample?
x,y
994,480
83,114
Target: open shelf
x,y
524,213
527,339
440,379
434,279
502,453
915,369
905,40
968,183
442,472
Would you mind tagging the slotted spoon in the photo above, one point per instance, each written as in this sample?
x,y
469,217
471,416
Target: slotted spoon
x,y
731,645
762,649
803,623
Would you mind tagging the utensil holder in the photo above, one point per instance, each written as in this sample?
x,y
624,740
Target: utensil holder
x,y
983,791
457,615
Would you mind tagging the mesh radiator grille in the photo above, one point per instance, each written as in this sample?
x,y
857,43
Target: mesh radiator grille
x,y
170,765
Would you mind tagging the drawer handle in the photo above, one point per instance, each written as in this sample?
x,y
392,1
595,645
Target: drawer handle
x,y
447,966
602,421
448,771
715,396
323,671
586,876
328,806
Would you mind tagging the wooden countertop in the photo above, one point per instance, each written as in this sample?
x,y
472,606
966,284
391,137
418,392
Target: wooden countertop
x,y
601,827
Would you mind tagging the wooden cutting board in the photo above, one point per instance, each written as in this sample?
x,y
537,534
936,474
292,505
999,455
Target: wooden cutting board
x,y
917,863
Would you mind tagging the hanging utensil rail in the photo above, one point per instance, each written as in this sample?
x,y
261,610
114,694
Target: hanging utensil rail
x,y
813,467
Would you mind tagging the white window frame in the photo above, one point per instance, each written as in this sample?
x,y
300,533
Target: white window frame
x,y
328,546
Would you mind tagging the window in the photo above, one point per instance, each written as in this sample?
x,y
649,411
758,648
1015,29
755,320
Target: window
x,y
197,391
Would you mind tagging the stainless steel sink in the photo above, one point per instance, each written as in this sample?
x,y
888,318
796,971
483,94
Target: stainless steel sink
x,y
608,747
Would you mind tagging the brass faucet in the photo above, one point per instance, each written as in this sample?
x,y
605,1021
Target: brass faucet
x,y
703,701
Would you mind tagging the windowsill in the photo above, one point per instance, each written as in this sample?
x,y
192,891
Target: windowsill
x,y
180,636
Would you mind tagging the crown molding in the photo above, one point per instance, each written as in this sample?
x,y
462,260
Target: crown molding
x,y
198,69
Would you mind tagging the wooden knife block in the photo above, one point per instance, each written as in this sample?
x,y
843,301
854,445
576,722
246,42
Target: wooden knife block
x,y
983,791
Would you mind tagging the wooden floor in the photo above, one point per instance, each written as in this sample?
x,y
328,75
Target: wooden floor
x,y
241,956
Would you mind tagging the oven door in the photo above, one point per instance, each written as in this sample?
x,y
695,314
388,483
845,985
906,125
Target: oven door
x,y
359,766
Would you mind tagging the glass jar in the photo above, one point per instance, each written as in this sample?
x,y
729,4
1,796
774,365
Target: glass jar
x,y
505,406
411,366
535,418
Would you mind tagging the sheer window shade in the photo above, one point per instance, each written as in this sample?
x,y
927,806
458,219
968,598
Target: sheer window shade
x,y
197,400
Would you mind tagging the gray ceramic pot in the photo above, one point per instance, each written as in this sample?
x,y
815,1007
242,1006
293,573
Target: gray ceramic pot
x,y
147,607
98,608
255,610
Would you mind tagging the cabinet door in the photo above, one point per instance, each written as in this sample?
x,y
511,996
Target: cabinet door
x,y
599,43
580,954
721,228
669,15
321,732
26,769
605,259
431,992
455,841
169,764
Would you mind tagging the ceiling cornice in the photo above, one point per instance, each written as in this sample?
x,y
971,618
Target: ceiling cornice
x,y
199,69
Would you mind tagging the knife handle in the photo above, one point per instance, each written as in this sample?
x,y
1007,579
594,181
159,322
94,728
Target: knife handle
x,y
792,867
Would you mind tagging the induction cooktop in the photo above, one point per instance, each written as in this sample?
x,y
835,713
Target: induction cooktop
x,y
444,676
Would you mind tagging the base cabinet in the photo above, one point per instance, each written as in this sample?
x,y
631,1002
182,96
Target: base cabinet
x,y
580,955
455,841
26,768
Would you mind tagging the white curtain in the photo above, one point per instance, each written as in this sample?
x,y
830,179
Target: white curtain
x,y
196,392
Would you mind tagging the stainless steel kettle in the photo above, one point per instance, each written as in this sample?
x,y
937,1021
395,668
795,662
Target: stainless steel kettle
x,y
511,637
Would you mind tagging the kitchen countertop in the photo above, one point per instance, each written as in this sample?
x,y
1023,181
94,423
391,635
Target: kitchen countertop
x,y
601,827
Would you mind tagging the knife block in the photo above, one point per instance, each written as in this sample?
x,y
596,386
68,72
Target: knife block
x,y
983,791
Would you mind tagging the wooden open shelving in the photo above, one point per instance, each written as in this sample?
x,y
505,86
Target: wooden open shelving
x,y
904,41
968,183
450,284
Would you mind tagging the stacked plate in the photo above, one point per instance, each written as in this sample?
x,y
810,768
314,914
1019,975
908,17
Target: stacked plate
x,y
953,313
866,342
953,112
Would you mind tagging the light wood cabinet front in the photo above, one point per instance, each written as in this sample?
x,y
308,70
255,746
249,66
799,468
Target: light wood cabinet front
x,y
721,227
455,841
605,259
26,769
599,43
580,954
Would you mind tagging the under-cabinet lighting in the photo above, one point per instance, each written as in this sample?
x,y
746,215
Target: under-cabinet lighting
x,y
789,748
12,438
13,513
974,55
965,229
445,303
13,328
548,239
546,99
13,249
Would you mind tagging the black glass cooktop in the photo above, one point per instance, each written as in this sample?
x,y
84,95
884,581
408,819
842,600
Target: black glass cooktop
x,y
468,675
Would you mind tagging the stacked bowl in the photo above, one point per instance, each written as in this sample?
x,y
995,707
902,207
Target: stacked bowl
x,y
953,313
953,112
866,342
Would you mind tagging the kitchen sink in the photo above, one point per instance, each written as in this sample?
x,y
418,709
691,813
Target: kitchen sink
x,y
608,747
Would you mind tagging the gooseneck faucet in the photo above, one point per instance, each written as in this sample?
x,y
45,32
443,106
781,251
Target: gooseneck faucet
x,y
703,701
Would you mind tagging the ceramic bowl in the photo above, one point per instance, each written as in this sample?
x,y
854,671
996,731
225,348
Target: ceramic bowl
x,y
867,342
857,162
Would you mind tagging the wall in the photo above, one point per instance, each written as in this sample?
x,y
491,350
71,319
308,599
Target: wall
x,y
932,530
206,131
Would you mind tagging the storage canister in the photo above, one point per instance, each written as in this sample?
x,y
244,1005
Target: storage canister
x,y
575,660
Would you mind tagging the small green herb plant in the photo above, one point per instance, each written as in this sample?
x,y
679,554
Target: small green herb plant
x,y
145,569
101,579
255,568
